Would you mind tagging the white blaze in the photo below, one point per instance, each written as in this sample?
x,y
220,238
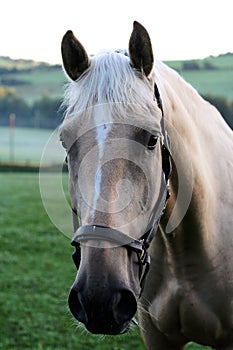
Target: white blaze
x,y
103,123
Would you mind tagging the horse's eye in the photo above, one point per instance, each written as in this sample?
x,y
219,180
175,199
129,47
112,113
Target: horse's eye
x,y
152,142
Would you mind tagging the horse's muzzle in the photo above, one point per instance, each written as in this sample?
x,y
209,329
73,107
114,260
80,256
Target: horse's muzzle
x,y
104,314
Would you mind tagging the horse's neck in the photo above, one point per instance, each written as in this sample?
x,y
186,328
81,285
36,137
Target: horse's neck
x,y
181,102
198,137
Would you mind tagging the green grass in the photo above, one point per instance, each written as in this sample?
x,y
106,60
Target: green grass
x,y
36,272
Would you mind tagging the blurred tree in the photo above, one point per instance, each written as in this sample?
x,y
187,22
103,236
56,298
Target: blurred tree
x,y
11,103
47,112
44,113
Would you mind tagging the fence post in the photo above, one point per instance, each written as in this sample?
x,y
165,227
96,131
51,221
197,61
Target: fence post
x,y
12,117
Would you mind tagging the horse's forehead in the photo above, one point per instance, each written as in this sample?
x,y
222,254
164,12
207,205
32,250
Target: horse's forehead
x,y
117,118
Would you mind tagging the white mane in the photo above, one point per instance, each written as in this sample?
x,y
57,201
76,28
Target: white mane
x,y
110,79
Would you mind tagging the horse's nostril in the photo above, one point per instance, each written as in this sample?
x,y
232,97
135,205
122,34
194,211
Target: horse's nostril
x,y
103,314
124,306
77,306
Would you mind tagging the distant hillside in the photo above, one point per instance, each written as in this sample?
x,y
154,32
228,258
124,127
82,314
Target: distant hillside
x,y
33,90
19,64
223,61
31,79
212,75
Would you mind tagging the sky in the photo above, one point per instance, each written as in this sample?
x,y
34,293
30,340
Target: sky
x,y
179,29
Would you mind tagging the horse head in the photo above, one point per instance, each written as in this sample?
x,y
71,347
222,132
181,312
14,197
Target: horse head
x,y
118,160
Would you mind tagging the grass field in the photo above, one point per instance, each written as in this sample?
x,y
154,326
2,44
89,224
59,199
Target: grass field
x,y
36,272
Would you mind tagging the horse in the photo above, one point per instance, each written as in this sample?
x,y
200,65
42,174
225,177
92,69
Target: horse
x,y
150,179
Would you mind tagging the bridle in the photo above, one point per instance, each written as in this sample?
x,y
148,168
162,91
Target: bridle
x,y
139,246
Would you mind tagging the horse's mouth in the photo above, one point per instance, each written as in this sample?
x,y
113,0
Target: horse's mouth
x,y
108,328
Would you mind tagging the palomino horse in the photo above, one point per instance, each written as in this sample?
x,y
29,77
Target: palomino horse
x,y
124,120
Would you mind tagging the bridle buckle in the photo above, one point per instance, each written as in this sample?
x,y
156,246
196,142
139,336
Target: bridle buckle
x,y
144,262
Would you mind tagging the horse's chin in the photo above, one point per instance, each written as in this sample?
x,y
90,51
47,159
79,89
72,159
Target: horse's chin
x,y
109,329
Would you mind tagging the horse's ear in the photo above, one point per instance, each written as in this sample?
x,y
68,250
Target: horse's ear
x,y
140,49
75,58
